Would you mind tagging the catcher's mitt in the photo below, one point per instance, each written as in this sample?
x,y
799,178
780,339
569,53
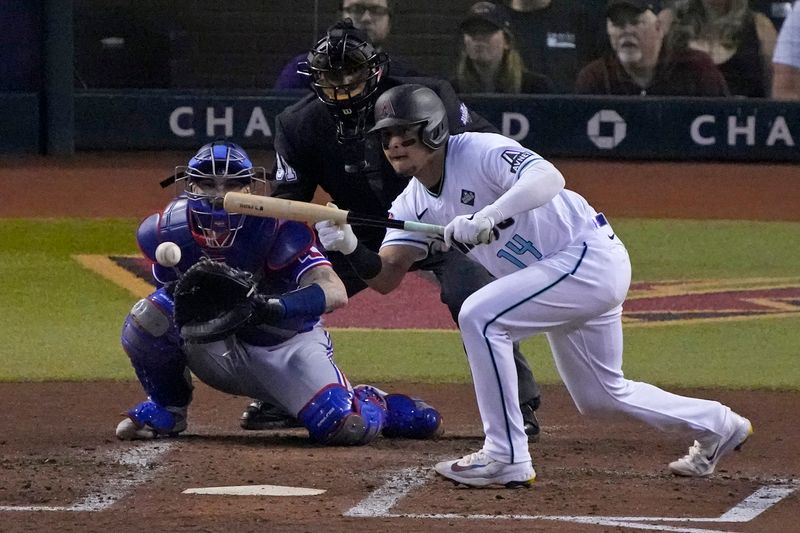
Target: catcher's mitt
x,y
212,300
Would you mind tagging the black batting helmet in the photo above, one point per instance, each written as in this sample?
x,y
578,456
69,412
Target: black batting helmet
x,y
412,104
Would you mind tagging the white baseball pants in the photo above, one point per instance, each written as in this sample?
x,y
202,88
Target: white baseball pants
x,y
575,297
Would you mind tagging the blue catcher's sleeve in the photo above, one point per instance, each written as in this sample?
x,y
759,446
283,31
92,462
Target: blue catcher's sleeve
x,y
306,302
296,309
293,240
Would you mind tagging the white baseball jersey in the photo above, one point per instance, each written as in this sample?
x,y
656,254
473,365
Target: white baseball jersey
x,y
479,168
561,271
787,48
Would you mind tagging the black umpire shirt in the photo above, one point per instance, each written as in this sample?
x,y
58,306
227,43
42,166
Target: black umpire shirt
x,y
307,155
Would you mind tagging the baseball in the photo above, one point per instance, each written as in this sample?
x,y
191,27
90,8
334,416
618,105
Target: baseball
x,y
168,254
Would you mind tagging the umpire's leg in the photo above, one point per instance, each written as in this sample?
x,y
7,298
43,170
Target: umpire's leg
x,y
460,276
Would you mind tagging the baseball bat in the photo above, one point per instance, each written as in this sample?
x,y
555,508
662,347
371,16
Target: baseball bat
x,y
267,206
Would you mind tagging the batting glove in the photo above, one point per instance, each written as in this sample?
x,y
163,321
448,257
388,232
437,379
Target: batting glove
x,y
477,228
336,237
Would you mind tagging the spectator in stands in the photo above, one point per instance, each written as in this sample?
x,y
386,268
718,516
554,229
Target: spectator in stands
x,y
371,16
556,37
640,64
739,40
489,62
786,60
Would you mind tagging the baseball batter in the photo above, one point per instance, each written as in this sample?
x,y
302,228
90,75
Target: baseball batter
x,y
276,349
561,269
321,142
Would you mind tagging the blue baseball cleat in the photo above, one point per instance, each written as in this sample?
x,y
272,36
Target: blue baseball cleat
x,y
411,418
149,420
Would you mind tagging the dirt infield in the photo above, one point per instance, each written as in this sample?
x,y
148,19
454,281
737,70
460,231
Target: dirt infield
x,y
63,470
59,451
124,184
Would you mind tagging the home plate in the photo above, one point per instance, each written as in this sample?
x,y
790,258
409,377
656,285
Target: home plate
x,y
256,490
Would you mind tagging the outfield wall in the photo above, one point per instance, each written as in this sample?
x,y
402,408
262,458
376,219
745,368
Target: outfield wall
x,y
20,128
674,129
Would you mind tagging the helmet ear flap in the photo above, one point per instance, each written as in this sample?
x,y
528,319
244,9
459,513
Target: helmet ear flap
x,y
434,135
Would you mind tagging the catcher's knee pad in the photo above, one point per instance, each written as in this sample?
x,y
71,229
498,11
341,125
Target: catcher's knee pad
x,y
153,346
369,402
332,417
411,418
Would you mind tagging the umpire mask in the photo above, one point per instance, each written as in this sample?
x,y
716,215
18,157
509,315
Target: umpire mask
x,y
345,69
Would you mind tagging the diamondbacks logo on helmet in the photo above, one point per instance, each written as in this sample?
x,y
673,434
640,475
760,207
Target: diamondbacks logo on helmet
x,y
386,110
514,158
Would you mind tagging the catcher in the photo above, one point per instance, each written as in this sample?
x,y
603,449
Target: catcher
x,y
241,310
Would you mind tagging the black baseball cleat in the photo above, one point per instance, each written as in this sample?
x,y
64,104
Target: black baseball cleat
x,y
260,415
531,423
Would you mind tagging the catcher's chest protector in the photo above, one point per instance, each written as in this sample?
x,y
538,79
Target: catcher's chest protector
x,y
260,243
248,252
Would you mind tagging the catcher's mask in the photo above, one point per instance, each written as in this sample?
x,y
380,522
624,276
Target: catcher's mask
x,y
345,70
218,168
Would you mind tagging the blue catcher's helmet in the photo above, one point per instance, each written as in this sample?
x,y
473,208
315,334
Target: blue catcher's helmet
x,y
218,168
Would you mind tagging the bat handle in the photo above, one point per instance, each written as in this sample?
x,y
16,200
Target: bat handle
x,y
434,229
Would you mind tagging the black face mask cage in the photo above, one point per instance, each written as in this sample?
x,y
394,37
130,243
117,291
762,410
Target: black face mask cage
x,y
345,70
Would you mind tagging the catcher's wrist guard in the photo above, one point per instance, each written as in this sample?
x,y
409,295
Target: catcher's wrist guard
x,y
308,301
365,262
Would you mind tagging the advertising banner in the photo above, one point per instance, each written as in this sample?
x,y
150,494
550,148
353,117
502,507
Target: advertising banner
x,y
555,126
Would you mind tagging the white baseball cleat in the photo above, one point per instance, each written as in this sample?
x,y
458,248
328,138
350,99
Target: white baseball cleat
x,y
480,470
702,458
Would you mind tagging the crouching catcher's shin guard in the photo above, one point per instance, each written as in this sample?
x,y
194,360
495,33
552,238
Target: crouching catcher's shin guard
x,y
337,417
411,418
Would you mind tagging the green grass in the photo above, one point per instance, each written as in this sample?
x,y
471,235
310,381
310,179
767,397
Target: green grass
x,y
681,249
62,322
739,355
